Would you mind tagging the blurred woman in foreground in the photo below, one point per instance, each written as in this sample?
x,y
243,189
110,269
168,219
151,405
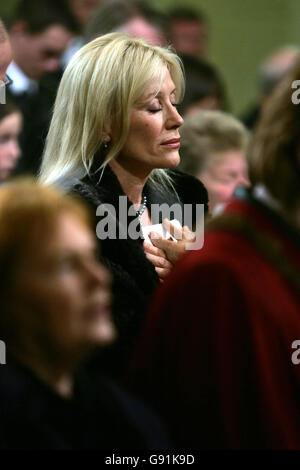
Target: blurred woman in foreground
x,y
230,313
55,310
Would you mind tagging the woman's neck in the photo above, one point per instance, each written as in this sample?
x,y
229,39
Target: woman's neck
x,y
58,376
132,184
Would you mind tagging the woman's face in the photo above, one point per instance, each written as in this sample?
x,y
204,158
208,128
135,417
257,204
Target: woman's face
x,y
153,140
10,128
224,173
60,299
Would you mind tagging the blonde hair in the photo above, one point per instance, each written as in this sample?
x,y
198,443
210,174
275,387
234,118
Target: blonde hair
x,y
209,132
98,89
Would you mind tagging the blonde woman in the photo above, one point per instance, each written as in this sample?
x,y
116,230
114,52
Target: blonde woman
x,y
115,133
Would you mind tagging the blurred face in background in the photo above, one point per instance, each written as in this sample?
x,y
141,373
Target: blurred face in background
x,y
84,9
5,58
60,295
10,128
189,37
140,28
39,54
225,171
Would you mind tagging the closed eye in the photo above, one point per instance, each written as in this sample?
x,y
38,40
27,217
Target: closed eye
x,y
156,110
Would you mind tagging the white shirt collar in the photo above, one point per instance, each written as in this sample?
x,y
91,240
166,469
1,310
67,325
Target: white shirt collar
x,y
21,82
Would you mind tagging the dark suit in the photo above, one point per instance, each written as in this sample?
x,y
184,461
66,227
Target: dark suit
x,y
36,108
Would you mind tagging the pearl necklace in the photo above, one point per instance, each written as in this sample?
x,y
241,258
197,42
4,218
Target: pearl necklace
x,y
141,210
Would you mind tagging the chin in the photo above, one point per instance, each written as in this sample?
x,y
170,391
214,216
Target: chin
x,y
172,161
103,333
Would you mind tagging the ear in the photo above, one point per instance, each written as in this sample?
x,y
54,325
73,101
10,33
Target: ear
x,y
106,138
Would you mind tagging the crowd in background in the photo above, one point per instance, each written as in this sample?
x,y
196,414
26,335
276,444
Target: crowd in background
x,y
116,343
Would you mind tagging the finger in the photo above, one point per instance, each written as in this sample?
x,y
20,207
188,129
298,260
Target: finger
x,y
163,244
148,248
154,235
162,273
176,232
188,234
159,262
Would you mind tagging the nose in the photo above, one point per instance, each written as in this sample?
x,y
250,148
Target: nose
x,y
244,181
14,150
98,274
174,119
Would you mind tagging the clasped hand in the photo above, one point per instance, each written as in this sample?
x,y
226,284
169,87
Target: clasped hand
x,y
164,253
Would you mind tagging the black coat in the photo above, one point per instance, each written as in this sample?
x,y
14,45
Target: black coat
x,y
135,278
98,416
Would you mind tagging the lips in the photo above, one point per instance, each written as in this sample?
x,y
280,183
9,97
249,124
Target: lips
x,y
100,306
172,143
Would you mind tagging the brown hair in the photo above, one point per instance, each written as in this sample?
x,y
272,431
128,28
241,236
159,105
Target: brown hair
x,y
274,152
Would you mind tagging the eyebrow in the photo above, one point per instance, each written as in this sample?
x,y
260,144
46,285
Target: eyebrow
x,y
172,92
150,95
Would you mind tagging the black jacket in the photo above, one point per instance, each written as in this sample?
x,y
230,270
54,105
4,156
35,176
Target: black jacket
x,y
135,278
98,416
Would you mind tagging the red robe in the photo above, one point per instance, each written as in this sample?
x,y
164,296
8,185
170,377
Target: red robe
x,y
215,357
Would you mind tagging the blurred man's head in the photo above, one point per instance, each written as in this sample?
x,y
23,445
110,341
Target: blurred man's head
x,y
205,88
124,16
188,32
5,51
275,67
83,9
39,33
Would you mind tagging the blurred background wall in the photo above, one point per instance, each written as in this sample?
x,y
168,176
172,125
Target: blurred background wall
x,y
243,32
